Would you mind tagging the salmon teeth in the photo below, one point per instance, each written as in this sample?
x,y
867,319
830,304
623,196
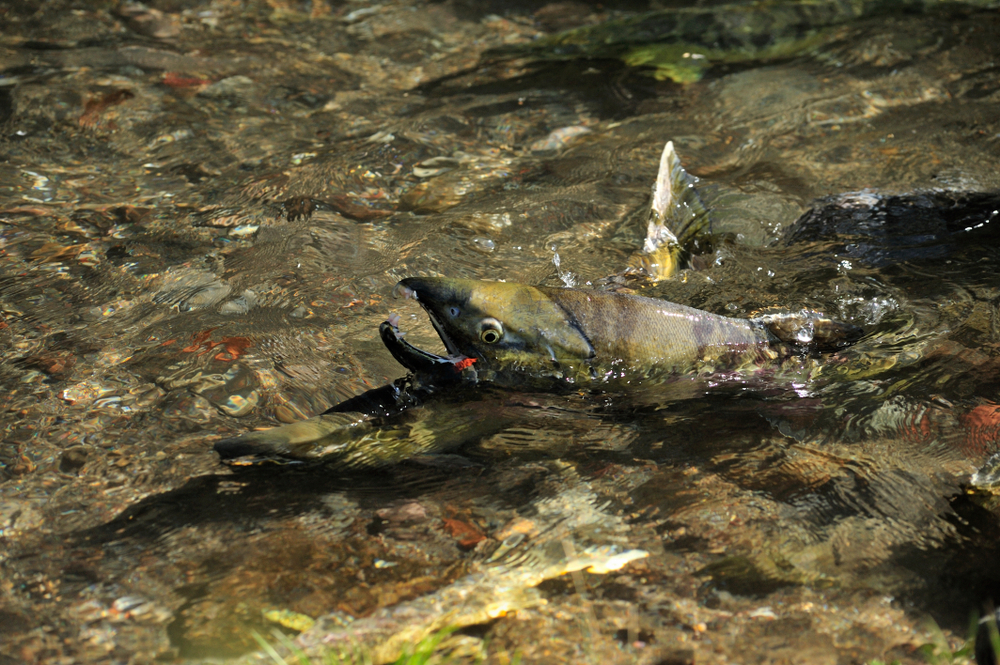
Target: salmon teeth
x,y
401,291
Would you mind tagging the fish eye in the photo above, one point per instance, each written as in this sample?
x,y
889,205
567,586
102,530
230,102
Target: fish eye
x,y
490,336
491,331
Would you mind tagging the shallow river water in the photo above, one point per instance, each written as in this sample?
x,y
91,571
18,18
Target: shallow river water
x,y
204,207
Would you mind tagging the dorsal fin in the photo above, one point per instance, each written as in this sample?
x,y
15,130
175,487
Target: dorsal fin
x,y
677,216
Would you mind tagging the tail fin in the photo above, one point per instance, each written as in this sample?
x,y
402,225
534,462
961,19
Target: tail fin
x,y
355,439
308,439
677,218
809,329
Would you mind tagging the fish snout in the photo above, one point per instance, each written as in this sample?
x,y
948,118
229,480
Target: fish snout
x,y
401,290
433,290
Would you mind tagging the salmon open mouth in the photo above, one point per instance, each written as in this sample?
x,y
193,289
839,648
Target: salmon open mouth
x,y
416,359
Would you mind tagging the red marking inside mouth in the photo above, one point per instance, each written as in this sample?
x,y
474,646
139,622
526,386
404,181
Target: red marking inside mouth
x,y
463,363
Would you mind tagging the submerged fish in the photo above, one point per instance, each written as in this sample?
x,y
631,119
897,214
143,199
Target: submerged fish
x,y
681,43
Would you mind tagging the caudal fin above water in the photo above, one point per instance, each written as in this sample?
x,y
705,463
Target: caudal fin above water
x,y
677,218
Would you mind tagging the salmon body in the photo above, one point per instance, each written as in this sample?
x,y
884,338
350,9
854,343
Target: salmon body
x,y
520,336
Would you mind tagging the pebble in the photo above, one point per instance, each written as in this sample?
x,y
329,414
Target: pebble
x,y
149,21
411,511
234,393
113,401
438,194
241,304
18,516
73,459
483,244
89,257
234,86
204,297
244,230
238,405
558,139
148,396
85,392
189,289
31,375
362,13
139,608
435,166
289,619
183,407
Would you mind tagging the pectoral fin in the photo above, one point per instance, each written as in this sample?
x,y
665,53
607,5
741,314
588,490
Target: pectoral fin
x,y
566,341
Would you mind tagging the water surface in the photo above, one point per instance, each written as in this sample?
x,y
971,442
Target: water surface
x,y
204,208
